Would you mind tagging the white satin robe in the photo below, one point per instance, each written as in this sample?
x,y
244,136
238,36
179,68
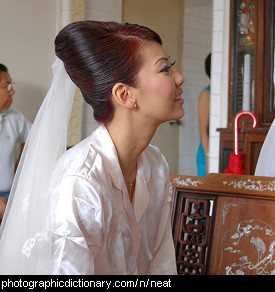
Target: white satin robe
x,y
96,228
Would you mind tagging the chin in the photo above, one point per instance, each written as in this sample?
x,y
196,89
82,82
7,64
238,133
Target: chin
x,y
174,117
180,115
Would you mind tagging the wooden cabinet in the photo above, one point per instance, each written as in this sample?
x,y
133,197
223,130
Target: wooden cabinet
x,y
251,78
223,224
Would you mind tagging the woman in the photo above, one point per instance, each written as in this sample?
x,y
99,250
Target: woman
x,y
203,111
109,194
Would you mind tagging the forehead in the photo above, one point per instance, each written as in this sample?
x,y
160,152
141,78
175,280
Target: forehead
x,y
152,52
5,77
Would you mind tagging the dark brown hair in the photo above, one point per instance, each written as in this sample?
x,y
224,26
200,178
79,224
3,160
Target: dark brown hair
x,y
97,55
208,65
3,68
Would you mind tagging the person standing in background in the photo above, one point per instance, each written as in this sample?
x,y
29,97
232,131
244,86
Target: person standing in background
x,y
203,111
14,128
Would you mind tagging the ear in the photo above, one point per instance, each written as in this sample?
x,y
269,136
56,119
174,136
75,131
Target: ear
x,y
122,95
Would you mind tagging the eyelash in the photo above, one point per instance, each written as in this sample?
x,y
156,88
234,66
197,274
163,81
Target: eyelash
x,y
166,68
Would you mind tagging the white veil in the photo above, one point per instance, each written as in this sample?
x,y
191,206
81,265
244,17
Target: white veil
x,y
25,234
265,165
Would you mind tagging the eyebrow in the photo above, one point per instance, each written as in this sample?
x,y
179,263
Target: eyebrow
x,y
162,58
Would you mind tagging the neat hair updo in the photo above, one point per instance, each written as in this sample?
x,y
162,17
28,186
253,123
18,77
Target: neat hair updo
x,y
97,55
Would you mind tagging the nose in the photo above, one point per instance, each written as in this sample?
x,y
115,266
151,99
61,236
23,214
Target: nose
x,y
179,79
12,92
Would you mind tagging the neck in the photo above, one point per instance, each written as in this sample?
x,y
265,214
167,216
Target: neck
x,y
130,141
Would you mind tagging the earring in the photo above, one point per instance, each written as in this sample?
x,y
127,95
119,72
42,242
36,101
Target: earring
x,y
134,105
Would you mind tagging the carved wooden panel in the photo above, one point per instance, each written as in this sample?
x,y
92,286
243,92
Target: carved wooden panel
x,y
223,224
244,237
192,230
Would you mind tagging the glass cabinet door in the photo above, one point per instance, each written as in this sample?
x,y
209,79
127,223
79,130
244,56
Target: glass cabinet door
x,y
244,40
252,77
270,53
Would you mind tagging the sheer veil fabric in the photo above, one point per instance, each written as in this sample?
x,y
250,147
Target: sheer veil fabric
x,y
25,235
265,165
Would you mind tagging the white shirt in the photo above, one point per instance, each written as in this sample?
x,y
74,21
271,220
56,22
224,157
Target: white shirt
x,y
14,127
96,228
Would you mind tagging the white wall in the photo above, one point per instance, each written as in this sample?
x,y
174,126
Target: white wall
x,y
219,78
104,10
197,41
27,31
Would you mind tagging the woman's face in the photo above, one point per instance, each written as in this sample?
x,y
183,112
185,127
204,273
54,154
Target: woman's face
x,y
158,86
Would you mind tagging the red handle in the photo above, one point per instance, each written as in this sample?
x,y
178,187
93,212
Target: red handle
x,y
236,128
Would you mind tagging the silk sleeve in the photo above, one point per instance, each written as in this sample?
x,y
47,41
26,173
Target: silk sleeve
x,y
77,218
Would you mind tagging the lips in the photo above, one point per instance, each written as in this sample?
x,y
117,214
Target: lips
x,y
178,97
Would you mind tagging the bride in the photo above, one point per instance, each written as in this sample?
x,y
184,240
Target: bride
x,y
102,207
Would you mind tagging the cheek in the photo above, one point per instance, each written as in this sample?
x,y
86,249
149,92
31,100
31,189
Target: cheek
x,y
167,89
160,87
2,100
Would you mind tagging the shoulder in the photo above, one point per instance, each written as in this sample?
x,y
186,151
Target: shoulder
x,y
83,162
159,176
204,99
154,152
15,115
73,160
205,94
73,178
13,112
155,157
